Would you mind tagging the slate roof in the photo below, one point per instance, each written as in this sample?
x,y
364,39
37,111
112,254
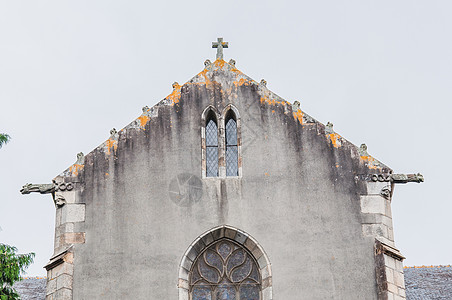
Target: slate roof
x,y
422,283
32,288
433,282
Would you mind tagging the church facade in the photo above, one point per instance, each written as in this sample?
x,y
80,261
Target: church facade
x,y
224,190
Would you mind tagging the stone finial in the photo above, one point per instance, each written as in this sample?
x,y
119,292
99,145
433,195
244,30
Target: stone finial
x,y
113,131
80,159
363,150
207,63
219,45
329,128
296,105
145,109
263,82
175,85
232,62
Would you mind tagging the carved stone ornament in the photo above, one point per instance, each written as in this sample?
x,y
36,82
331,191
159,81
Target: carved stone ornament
x,y
145,109
296,106
329,128
113,131
405,178
363,150
175,85
59,200
386,192
207,63
47,188
80,159
232,62
38,188
380,177
263,82
65,187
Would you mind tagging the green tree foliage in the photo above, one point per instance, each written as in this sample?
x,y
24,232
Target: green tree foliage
x,y
4,138
11,267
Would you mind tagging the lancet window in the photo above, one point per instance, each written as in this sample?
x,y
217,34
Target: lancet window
x,y
211,145
220,142
232,154
225,271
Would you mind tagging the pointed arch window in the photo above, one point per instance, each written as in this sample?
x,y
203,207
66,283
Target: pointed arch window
x,y
211,145
232,154
225,271
221,142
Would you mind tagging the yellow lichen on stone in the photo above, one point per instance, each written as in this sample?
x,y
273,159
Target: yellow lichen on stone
x,y
370,162
75,168
271,100
174,97
143,119
335,139
111,143
298,115
242,81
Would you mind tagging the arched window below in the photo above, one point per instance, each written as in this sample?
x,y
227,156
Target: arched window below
x,y
232,154
211,146
225,271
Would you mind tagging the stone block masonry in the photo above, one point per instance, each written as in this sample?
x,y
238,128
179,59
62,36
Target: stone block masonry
x,y
70,227
377,223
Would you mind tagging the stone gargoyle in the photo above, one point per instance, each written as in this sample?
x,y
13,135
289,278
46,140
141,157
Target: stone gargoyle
x,y
38,188
405,178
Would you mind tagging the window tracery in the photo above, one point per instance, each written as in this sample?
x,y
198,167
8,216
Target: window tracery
x,y
225,271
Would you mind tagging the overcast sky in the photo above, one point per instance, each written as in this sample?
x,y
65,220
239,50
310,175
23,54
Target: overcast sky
x,y
379,70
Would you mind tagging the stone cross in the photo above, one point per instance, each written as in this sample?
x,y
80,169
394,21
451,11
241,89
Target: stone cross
x,y
219,45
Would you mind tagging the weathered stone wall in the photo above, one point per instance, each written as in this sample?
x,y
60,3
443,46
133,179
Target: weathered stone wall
x,y
304,195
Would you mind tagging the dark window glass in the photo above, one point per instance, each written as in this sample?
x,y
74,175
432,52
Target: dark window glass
x,y
225,292
202,293
231,132
207,272
249,292
212,161
211,133
211,148
236,259
225,271
224,249
242,272
232,155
